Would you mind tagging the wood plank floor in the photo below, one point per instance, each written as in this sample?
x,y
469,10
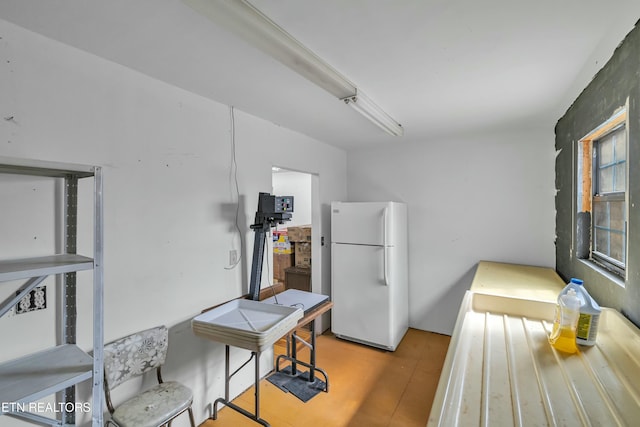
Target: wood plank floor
x,y
367,387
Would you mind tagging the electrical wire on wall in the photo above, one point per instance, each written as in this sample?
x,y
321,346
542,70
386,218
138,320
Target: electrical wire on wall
x,y
233,176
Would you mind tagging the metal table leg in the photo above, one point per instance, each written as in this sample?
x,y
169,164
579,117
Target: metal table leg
x,y
291,356
294,353
227,379
312,356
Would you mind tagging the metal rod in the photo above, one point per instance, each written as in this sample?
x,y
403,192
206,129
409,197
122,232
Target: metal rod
x,y
312,356
68,300
242,411
305,364
303,342
257,382
294,355
256,263
98,299
227,377
10,302
34,418
243,365
291,356
288,345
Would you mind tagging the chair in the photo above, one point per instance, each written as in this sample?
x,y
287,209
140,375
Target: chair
x,y
130,357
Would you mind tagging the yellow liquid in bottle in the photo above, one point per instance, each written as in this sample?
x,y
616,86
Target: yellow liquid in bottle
x,y
564,339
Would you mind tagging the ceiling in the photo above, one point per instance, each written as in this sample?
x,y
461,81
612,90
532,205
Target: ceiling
x,y
439,67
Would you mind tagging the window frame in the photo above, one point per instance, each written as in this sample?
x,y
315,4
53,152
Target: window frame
x,y
612,196
587,193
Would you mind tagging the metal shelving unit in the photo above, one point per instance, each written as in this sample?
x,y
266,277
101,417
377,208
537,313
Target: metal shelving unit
x,y
60,368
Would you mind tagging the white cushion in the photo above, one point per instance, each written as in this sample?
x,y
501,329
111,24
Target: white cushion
x,y
153,407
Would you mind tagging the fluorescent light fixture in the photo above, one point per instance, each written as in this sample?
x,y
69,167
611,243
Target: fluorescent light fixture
x,y
365,106
247,22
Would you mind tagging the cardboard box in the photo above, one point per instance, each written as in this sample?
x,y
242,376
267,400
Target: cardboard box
x,y
301,233
298,278
282,248
280,235
281,243
280,263
303,254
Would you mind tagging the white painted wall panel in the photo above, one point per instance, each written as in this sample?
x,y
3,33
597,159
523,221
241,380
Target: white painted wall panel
x,y
298,185
169,197
481,197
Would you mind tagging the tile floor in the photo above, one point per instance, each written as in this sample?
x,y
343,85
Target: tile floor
x,y
367,387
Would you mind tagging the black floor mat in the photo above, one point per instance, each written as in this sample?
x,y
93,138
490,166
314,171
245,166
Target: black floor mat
x,y
298,385
279,379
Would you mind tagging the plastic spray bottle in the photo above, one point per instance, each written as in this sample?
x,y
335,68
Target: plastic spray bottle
x,y
587,329
563,335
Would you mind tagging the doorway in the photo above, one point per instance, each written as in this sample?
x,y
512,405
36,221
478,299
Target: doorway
x,y
305,189
292,240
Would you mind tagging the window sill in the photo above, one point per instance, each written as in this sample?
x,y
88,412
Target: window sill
x,y
603,272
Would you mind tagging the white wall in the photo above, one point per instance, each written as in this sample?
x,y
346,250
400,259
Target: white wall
x,y
169,197
481,197
298,185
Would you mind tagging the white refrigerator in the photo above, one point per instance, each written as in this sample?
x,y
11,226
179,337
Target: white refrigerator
x,y
369,272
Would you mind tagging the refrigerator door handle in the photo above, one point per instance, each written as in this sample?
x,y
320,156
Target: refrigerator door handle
x,y
384,248
386,267
385,214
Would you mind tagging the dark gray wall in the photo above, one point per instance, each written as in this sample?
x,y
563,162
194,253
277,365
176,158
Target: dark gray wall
x,y
610,88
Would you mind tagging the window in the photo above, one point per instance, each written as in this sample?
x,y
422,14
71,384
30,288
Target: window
x,y
602,217
609,207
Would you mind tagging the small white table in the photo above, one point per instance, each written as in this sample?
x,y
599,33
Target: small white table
x,y
304,309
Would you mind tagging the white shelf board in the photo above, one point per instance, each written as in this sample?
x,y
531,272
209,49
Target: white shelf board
x,y
18,166
43,266
41,374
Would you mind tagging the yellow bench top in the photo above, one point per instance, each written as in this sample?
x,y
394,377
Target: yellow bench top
x,y
501,370
520,281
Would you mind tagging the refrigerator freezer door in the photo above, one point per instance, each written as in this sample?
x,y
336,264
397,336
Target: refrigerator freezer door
x,y
361,223
362,308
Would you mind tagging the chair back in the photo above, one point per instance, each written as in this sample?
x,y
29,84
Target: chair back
x,y
134,355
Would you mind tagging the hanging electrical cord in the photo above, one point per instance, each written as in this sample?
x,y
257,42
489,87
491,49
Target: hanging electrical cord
x,y
233,175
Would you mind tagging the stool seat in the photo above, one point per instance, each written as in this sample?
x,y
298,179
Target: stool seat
x,y
154,406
